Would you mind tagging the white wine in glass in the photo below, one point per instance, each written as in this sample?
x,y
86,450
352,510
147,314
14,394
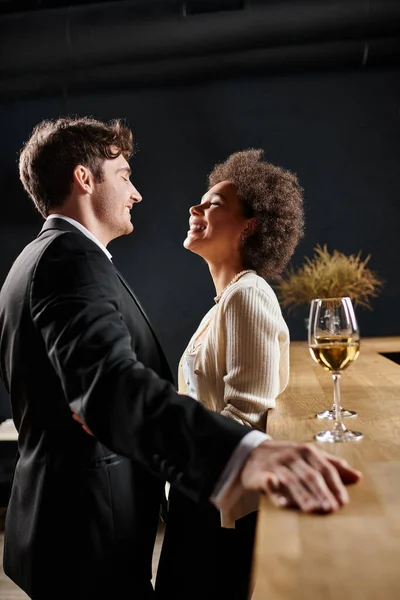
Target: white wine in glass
x,y
335,354
334,343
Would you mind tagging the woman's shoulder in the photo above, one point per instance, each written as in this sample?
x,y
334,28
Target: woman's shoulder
x,y
253,298
247,283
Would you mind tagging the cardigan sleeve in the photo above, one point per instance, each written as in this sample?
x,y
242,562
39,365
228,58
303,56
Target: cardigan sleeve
x,y
254,330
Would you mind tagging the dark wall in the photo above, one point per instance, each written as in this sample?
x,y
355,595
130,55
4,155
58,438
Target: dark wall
x,y
339,132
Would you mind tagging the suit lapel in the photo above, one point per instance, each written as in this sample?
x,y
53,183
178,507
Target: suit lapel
x,y
128,288
140,307
63,225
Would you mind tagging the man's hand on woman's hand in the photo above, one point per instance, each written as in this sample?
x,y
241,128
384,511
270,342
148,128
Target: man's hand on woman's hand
x,y
298,475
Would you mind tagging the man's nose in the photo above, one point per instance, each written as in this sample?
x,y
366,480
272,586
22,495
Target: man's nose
x,y
135,195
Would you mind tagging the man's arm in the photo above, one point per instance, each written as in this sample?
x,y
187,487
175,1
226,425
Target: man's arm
x,y
292,475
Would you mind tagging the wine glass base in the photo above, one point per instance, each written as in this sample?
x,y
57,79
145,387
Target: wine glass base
x,y
332,436
329,415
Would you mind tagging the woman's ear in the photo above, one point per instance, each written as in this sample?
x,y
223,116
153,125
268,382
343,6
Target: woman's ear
x,y
250,227
248,230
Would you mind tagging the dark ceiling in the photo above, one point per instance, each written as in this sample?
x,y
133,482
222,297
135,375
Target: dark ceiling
x,y
53,47
161,6
15,6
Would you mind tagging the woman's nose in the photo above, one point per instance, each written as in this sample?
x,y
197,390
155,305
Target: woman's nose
x,y
195,210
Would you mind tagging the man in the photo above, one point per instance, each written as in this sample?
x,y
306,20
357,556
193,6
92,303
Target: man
x,y
83,511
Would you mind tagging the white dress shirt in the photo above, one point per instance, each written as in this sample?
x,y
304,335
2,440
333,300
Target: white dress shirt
x,y
83,229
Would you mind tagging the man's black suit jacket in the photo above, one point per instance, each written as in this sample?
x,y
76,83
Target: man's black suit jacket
x,y
83,511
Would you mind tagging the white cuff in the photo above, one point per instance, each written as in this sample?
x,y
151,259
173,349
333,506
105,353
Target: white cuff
x,y
228,488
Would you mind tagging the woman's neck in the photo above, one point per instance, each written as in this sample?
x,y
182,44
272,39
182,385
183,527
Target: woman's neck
x,y
222,274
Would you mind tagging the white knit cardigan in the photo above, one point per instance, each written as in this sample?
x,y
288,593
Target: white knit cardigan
x,y
242,364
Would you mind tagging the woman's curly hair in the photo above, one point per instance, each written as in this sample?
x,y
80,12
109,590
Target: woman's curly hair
x,y
272,196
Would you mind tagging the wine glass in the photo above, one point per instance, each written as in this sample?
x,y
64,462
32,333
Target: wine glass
x,y
330,413
334,343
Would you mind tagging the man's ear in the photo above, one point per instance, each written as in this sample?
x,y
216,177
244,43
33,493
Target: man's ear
x,y
83,178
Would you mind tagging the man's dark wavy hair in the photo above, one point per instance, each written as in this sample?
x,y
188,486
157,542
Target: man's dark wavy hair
x,y
55,148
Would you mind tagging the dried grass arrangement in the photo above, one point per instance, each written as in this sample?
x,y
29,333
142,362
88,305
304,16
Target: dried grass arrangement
x,y
329,276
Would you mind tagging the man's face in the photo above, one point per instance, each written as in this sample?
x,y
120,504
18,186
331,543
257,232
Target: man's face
x,y
114,197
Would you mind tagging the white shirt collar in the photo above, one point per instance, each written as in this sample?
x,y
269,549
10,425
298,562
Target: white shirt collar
x,y
83,229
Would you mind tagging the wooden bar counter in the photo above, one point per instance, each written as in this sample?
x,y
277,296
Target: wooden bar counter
x,y
353,554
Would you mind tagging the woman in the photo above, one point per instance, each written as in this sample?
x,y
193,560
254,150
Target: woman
x,y
237,362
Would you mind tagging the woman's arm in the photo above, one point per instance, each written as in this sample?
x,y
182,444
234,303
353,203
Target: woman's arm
x,y
256,371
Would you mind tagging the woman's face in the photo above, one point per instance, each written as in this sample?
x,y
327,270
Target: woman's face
x,y
216,225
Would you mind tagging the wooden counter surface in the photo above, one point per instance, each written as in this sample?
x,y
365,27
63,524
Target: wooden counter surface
x,y
353,554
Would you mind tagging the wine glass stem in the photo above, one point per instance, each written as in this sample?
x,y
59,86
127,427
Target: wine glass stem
x,y
336,401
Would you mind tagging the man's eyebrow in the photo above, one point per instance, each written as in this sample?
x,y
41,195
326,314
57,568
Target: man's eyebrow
x,y
126,169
